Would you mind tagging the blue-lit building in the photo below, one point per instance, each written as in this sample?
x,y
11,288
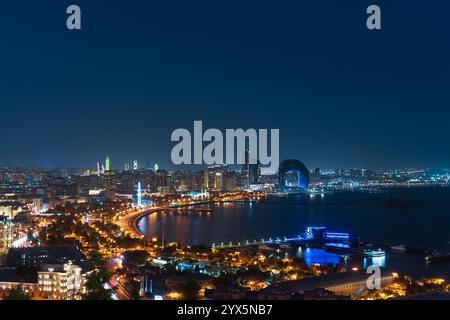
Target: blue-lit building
x,y
322,234
192,266
293,175
138,201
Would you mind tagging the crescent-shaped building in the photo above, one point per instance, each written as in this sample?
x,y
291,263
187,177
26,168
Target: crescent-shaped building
x,y
296,167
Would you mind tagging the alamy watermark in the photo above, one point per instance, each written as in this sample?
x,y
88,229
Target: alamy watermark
x,y
73,21
238,145
374,280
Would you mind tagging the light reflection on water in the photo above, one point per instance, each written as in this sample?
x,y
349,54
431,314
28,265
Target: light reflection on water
x,y
375,261
317,256
337,245
320,256
424,222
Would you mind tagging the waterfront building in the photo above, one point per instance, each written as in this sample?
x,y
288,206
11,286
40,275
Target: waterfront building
x,y
316,233
322,234
343,283
293,175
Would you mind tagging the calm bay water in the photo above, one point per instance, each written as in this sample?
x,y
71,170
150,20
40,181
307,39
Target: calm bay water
x,y
422,218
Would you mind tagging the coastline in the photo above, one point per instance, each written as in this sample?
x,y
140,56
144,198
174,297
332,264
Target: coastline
x,y
284,220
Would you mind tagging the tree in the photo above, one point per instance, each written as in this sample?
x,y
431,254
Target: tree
x,y
135,259
133,289
201,249
190,290
95,286
96,258
17,294
224,280
168,251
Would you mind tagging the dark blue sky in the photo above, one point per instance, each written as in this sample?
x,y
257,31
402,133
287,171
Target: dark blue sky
x,y
342,96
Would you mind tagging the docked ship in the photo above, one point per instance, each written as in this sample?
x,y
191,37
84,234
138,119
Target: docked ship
x,y
374,253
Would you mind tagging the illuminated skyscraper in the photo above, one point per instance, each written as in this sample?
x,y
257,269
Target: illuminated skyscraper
x,y
250,169
156,168
215,177
135,165
98,169
107,164
139,195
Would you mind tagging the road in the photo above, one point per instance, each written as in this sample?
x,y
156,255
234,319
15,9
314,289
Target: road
x,y
121,293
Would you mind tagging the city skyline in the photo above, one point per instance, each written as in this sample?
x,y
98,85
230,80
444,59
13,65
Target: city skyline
x,y
148,165
238,153
134,73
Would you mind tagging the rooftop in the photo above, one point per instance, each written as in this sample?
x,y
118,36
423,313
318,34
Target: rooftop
x,y
327,281
435,295
8,275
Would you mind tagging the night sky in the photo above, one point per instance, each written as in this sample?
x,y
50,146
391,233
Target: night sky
x,y
341,95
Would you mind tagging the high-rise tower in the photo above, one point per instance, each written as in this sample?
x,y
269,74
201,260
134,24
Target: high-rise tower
x,y
107,164
98,169
139,195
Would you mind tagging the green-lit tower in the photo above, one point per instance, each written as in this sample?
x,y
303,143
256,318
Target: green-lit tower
x,y
107,164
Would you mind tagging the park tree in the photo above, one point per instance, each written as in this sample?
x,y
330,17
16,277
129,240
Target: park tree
x,y
135,259
95,286
17,294
190,290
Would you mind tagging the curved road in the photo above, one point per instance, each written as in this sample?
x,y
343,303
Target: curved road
x,y
129,222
